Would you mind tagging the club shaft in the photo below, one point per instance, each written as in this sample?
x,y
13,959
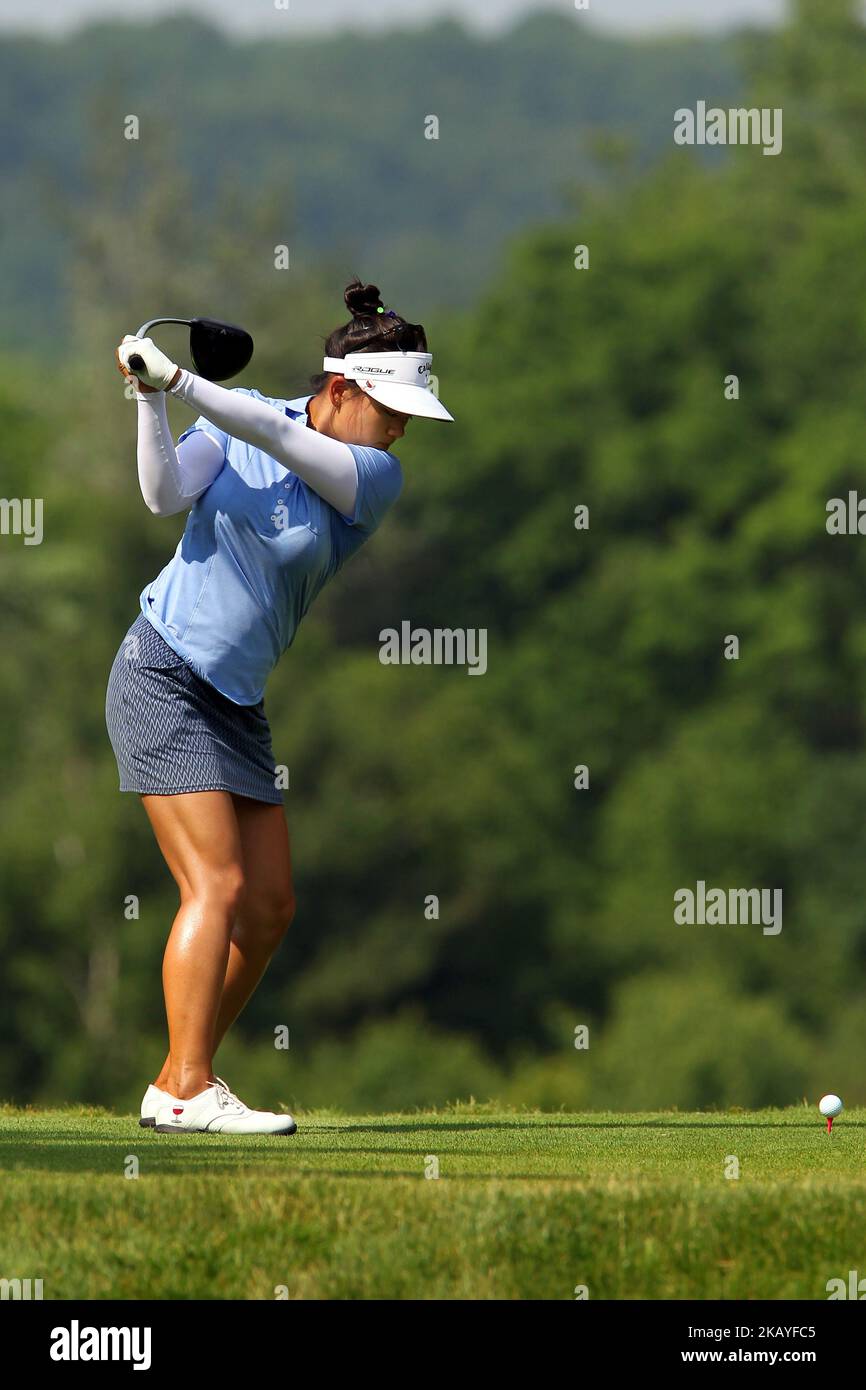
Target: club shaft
x,y
136,362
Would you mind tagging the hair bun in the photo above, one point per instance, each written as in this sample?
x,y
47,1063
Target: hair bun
x,y
362,300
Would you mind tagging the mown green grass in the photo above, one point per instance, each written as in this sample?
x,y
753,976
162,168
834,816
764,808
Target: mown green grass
x,y
527,1205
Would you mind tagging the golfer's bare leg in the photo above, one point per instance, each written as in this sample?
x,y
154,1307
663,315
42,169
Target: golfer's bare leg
x,y
200,840
266,908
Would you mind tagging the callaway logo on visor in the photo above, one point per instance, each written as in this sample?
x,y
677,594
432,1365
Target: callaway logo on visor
x,y
400,380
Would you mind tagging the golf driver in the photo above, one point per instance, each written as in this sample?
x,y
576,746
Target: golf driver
x,y
218,350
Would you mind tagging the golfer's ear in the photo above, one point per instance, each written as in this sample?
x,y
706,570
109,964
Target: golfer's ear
x,y
338,389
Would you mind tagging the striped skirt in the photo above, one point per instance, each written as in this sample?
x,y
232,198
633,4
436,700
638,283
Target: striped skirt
x,y
173,732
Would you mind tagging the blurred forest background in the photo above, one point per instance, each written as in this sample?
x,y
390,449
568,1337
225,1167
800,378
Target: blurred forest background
x,y
602,387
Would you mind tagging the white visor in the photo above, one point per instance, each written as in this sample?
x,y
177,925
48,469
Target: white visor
x,y
398,380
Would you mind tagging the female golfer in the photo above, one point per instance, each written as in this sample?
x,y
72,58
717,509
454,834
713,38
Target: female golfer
x,y
281,494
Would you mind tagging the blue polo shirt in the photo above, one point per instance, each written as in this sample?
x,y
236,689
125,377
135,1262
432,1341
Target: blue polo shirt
x,y
258,546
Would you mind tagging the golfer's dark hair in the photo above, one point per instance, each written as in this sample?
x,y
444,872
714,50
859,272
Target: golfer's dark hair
x,y
369,331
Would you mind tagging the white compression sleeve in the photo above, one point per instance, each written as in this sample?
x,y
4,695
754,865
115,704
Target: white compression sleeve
x,y
325,464
171,479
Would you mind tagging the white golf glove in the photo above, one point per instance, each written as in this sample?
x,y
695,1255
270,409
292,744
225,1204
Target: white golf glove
x,y
158,370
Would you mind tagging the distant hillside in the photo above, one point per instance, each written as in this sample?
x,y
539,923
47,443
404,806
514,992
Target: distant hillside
x,y
334,131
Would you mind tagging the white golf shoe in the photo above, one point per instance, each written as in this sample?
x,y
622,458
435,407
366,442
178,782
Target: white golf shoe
x,y
217,1110
152,1099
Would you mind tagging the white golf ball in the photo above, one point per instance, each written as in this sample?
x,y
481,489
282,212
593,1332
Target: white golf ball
x,y
830,1106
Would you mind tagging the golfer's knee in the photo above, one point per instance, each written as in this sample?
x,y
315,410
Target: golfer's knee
x,y
221,891
267,916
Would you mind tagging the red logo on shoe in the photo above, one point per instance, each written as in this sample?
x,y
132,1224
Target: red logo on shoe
x,y
177,1110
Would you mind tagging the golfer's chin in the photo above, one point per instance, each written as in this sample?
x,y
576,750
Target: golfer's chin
x,y
375,444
